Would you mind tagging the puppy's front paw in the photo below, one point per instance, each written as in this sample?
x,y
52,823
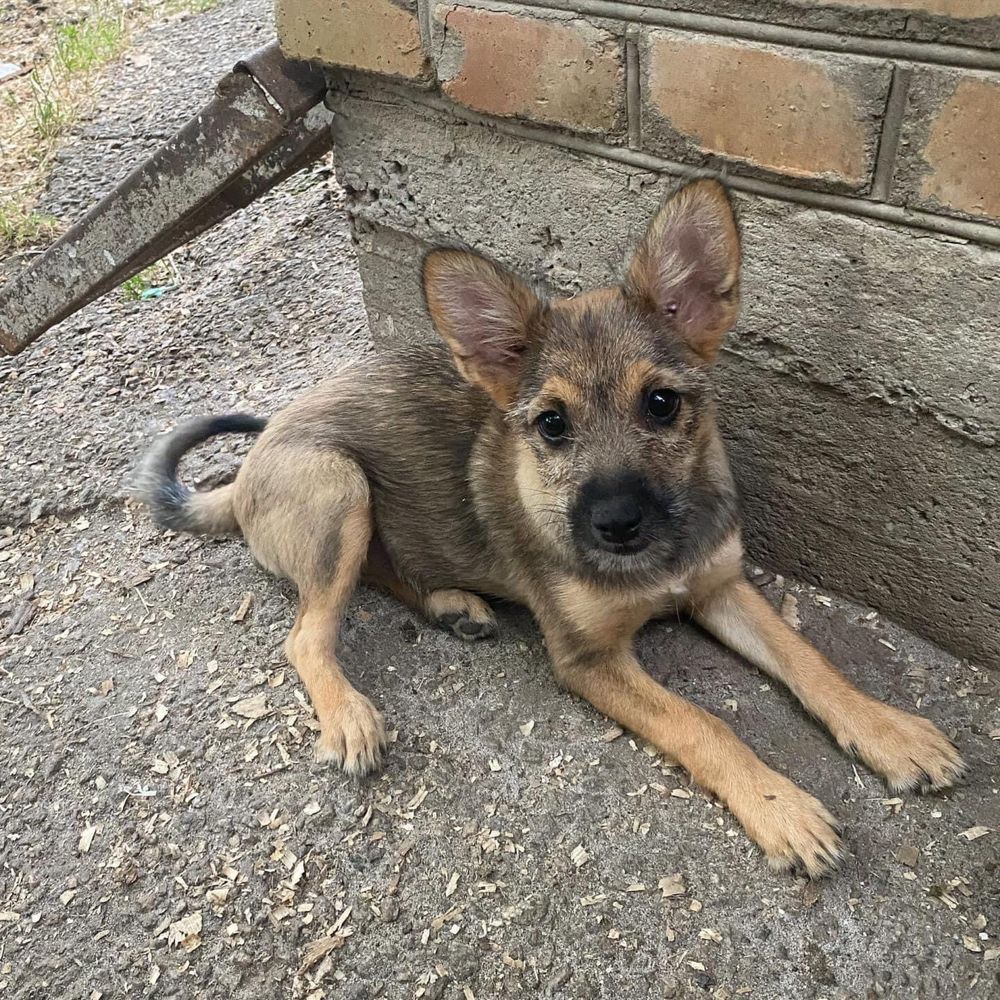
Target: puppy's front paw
x,y
908,751
467,615
793,829
354,736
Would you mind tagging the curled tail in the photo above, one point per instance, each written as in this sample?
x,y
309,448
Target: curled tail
x,y
170,502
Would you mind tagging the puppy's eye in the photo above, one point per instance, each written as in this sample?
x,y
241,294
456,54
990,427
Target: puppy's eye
x,y
551,425
662,405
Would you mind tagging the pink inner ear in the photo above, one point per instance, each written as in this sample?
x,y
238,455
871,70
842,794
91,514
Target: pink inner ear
x,y
690,267
485,322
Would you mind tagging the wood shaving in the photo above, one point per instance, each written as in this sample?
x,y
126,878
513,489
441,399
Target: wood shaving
x,y
186,932
975,832
254,707
790,611
244,609
87,838
672,885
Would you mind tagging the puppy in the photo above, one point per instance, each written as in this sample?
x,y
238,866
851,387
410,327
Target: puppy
x,y
563,454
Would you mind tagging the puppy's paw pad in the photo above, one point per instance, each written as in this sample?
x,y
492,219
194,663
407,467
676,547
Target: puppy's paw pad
x,y
467,615
353,737
466,627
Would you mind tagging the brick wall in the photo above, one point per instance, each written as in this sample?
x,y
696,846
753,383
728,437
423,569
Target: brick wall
x,y
858,391
898,111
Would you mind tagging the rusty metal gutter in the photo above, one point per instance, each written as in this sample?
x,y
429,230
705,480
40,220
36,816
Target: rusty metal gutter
x,y
265,122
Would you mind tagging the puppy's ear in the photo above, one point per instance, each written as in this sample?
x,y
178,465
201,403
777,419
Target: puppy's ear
x,y
484,315
687,266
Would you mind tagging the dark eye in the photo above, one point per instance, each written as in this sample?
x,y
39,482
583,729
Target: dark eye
x,y
662,405
551,425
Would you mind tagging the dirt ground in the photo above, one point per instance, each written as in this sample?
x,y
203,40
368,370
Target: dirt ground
x,y
164,830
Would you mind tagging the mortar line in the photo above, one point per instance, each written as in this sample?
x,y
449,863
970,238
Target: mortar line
x,y
938,53
962,229
633,110
424,24
892,124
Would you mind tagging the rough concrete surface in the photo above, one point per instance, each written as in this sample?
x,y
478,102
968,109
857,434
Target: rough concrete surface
x,y
878,345
156,748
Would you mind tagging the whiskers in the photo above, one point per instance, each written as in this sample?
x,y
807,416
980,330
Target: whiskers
x,y
545,505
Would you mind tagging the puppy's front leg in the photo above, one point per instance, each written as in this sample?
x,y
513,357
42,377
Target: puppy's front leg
x,y
791,827
909,752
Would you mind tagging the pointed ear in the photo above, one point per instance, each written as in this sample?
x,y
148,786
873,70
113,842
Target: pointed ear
x,y
687,266
484,315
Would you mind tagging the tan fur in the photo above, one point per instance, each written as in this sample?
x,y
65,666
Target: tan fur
x,y
906,750
213,511
440,490
561,389
790,825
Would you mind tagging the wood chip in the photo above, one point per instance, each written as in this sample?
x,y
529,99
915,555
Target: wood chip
x,y
908,855
317,950
975,832
452,884
527,727
417,799
790,611
672,885
971,944
612,734
254,707
710,934
244,609
991,954
311,808
579,856
681,793
186,932
87,838
636,887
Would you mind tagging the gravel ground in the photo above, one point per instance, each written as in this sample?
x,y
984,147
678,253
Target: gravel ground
x,y
165,832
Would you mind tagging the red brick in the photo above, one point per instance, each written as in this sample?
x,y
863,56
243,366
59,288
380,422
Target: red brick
x,y
377,36
949,156
806,115
959,9
553,70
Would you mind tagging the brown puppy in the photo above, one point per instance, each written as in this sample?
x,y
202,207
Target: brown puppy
x,y
563,454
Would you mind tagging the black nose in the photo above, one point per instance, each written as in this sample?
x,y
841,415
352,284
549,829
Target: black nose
x,y
617,519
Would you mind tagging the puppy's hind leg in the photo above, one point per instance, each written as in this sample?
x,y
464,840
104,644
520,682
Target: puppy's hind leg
x,y
465,614
314,529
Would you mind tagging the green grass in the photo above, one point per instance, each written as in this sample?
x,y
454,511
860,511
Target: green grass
x,y
150,283
19,227
51,112
190,6
92,42
81,48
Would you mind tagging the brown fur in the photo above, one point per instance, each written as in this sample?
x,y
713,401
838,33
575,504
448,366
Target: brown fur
x,y
436,475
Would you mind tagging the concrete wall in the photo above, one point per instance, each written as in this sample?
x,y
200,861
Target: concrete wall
x,y
860,390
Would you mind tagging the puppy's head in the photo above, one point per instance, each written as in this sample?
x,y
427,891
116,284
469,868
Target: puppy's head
x,y
607,394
